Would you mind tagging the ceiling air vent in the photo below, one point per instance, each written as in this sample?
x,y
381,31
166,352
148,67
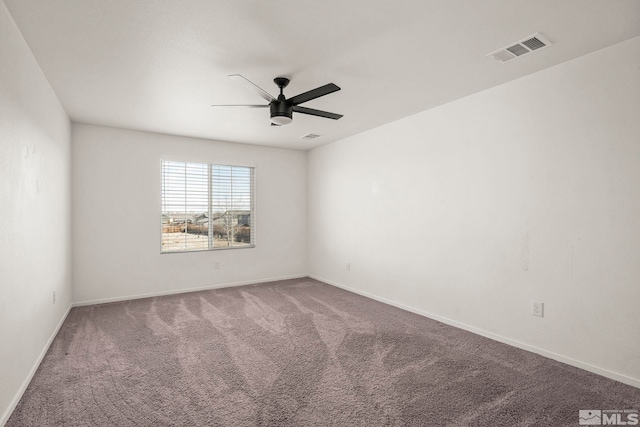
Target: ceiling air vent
x,y
310,136
524,46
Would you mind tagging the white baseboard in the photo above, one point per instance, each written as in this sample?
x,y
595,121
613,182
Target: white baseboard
x,y
25,383
184,291
551,355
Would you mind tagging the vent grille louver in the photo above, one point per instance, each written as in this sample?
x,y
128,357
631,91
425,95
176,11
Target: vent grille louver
x,y
518,49
534,43
522,47
310,136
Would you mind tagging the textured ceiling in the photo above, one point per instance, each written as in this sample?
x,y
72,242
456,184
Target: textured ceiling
x,y
159,65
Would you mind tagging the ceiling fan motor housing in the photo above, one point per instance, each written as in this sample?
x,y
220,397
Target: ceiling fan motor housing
x,y
281,111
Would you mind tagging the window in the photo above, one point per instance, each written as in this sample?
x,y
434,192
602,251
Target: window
x,y
206,206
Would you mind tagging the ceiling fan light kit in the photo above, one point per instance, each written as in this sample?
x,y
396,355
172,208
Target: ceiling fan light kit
x,y
280,120
281,108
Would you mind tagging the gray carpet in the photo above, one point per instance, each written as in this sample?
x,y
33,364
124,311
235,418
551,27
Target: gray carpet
x,y
295,353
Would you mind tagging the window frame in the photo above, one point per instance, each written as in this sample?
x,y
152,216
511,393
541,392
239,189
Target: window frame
x,y
210,166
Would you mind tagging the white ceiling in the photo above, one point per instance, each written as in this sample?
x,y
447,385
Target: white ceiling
x,y
159,65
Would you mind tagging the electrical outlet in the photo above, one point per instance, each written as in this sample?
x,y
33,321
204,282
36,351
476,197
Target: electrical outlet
x,y
54,297
537,308
217,265
348,266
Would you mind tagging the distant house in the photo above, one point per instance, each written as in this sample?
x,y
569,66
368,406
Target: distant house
x,y
244,217
201,219
199,223
235,217
175,218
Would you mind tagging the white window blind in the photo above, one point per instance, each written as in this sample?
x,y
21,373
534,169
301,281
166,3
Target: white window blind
x,y
206,206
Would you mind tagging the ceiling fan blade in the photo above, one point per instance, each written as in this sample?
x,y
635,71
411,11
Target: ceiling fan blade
x,y
319,113
243,106
252,86
313,94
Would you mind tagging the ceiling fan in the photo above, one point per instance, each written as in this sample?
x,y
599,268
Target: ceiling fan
x,y
282,108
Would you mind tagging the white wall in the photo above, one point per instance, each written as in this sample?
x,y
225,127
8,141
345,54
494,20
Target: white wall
x,y
116,215
468,212
35,210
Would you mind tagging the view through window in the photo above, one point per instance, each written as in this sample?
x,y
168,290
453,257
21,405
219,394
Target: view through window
x,y
206,206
